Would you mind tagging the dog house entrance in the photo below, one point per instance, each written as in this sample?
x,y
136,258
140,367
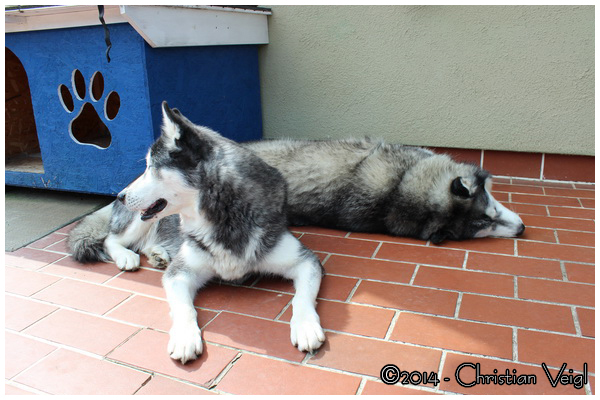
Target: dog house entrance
x,y
22,151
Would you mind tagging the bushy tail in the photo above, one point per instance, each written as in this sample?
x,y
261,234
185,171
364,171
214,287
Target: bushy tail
x,y
86,240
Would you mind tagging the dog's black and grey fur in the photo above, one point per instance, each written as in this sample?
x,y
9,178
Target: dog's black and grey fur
x,y
225,217
370,186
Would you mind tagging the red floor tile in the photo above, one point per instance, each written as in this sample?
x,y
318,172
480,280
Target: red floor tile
x,y
83,331
22,312
47,241
353,247
369,269
144,281
539,235
454,334
82,296
255,302
160,385
465,281
148,350
420,254
406,298
572,224
367,356
69,373
490,245
569,212
587,322
557,251
351,318
517,313
556,291
590,194
32,259
577,238
26,283
254,375
94,272
380,388
554,350
151,313
22,352
527,209
515,265
332,287
580,272
545,200
254,334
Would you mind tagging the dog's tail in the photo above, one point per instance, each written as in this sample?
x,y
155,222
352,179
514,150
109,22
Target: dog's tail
x,y
86,240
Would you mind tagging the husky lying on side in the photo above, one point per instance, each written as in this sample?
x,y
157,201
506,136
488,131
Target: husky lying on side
x,y
367,186
231,207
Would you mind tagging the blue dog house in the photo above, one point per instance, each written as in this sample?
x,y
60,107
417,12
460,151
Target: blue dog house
x,y
77,122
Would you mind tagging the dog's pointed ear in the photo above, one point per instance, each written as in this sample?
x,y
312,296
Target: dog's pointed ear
x,y
171,122
462,187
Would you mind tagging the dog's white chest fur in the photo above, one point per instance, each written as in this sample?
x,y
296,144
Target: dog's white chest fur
x,y
221,261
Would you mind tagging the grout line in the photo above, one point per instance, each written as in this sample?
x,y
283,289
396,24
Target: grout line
x,y
361,386
563,270
458,304
515,345
482,158
217,379
516,286
414,275
376,249
354,289
542,166
576,321
392,325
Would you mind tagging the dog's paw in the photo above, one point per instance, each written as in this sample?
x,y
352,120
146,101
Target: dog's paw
x,y
306,332
158,257
185,343
128,261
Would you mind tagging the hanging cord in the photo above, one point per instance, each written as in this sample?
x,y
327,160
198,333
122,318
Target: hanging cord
x,y
106,33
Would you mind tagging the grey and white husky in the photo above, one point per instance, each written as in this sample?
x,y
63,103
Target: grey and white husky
x,y
370,186
225,215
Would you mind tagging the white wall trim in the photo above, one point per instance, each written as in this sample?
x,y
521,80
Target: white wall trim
x,y
160,26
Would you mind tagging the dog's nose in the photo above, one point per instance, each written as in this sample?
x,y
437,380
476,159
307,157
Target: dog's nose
x,y
121,197
521,230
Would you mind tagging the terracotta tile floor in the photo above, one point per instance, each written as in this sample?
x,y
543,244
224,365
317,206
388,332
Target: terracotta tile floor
x,y
497,303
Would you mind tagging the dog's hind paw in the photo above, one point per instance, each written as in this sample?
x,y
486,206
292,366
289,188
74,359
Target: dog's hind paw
x,y
306,333
128,261
185,344
158,257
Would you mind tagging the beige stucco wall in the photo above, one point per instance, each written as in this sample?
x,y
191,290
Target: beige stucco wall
x,y
494,77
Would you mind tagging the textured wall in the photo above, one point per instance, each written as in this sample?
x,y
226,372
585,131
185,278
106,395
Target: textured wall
x,y
515,78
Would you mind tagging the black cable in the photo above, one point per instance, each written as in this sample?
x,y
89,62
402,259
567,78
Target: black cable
x,y
106,33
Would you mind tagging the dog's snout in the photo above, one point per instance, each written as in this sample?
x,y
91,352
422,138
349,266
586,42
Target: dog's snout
x,y
121,197
521,230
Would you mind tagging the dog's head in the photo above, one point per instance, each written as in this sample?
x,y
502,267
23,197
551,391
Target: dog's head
x,y
475,213
172,164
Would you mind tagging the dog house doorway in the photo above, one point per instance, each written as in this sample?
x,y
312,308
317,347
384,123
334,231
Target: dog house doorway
x,y
22,151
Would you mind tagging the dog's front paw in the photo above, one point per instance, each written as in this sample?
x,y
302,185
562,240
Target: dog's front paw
x,y
306,332
185,343
128,261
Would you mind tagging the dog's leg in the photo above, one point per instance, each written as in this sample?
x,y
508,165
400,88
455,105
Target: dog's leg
x,y
181,282
125,259
294,261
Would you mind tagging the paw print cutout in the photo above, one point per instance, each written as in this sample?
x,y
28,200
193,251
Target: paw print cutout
x,y
87,127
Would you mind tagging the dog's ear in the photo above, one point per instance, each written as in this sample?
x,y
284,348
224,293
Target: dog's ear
x,y
171,122
462,187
